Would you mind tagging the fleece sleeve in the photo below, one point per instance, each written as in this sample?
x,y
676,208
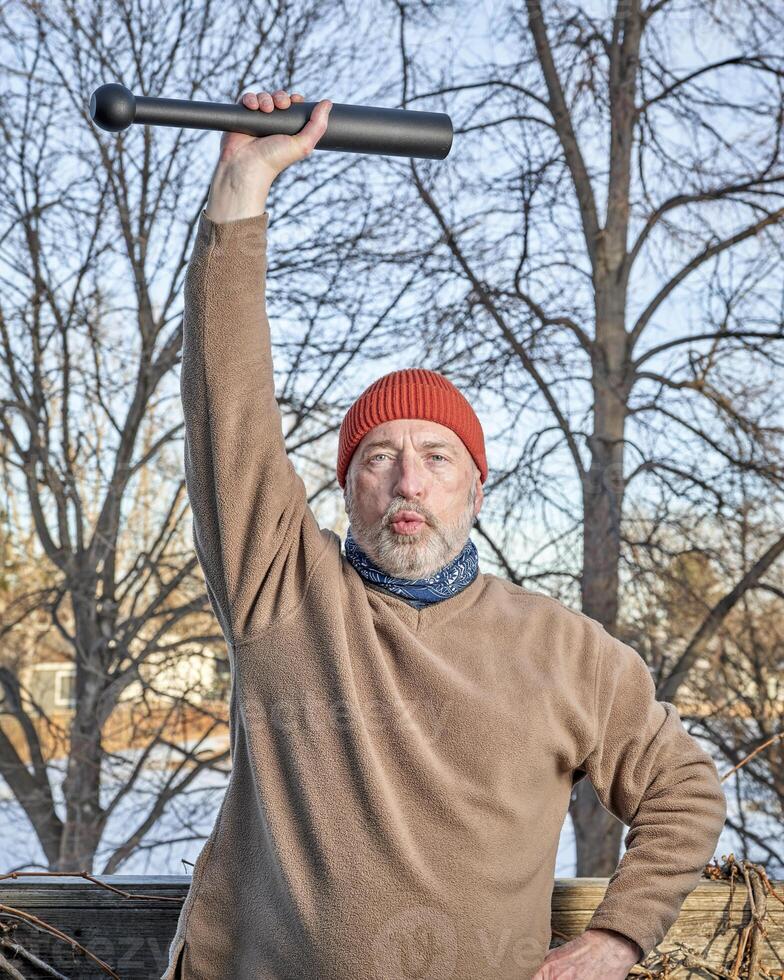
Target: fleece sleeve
x,y
256,539
651,774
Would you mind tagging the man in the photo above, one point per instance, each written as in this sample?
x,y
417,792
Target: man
x,y
405,729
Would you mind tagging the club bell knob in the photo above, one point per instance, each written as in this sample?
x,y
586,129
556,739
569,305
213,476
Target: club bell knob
x,y
112,107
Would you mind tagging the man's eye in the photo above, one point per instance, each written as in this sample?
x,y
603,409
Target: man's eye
x,y
437,454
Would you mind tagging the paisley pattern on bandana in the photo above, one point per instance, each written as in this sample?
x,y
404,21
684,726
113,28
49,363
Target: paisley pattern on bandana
x,y
447,581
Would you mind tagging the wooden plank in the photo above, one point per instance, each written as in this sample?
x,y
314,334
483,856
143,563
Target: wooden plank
x,y
708,920
72,891
133,935
582,893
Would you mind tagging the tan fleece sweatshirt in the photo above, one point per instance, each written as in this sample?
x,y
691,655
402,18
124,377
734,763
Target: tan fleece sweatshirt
x,y
399,776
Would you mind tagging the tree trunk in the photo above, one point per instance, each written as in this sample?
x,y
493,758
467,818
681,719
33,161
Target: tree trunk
x,y
598,832
84,818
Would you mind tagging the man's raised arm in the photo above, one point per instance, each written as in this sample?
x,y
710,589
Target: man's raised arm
x,y
256,539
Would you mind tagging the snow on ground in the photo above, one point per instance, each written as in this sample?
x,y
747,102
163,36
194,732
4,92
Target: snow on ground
x,y
177,838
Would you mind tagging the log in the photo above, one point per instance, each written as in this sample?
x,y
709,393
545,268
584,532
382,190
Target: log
x,y
133,934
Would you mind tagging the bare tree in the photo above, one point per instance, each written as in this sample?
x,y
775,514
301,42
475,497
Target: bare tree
x,y
731,690
595,262
748,728
94,237
599,265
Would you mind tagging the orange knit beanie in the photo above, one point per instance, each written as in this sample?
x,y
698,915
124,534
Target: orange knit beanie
x,y
413,393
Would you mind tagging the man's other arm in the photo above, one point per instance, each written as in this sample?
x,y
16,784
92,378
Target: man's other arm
x,y
651,774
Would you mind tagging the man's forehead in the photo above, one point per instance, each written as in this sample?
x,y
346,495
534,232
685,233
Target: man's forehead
x,y
421,431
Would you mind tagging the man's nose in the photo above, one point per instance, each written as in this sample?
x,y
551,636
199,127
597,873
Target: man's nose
x,y
411,477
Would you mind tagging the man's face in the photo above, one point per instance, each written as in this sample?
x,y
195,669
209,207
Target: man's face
x,y
418,469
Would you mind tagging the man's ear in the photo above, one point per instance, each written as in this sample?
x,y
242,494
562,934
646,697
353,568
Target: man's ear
x,y
347,485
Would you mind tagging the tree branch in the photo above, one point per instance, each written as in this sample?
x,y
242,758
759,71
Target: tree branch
x,y
716,335
506,331
707,253
669,687
565,131
680,200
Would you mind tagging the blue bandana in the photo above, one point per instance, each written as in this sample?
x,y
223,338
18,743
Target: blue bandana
x,y
447,581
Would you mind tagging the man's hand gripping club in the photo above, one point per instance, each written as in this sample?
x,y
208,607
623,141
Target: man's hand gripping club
x,y
248,165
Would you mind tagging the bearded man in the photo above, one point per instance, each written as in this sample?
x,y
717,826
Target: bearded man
x,y
405,729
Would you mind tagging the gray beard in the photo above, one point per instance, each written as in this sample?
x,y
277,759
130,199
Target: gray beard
x,y
412,556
